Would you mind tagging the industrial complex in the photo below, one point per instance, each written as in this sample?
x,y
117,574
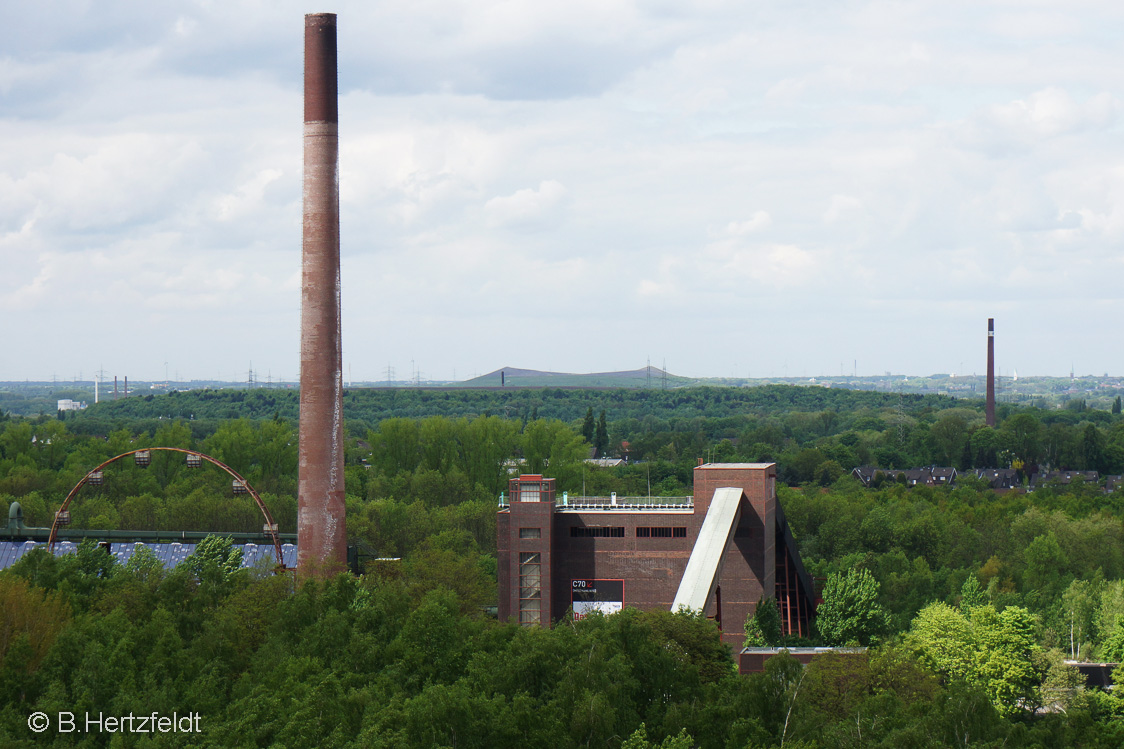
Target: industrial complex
x,y
719,551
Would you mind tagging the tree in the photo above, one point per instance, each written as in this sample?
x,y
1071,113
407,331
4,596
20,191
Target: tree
x,y
1092,448
984,446
588,427
1024,433
1116,405
993,650
1062,687
828,472
31,614
972,594
850,612
537,438
488,441
601,437
451,560
763,626
639,740
949,434
395,446
215,560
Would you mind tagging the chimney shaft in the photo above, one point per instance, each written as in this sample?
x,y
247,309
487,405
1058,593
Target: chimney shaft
x,y
989,417
321,534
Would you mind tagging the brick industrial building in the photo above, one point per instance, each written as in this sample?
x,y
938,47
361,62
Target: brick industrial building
x,y
719,550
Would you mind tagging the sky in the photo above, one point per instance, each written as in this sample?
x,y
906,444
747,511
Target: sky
x,y
724,188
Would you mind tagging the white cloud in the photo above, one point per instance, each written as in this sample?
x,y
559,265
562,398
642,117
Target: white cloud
x,y
597,162
527,208
758,221
248,196
1052,112
840,207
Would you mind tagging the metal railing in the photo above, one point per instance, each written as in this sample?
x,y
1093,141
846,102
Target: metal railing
x,y
566,502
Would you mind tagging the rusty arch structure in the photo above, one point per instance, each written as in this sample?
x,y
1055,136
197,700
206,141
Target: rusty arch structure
x,y
270,528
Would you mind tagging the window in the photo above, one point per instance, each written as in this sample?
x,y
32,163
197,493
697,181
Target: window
x,y
528,492
597,531
657,532
530,533
530,588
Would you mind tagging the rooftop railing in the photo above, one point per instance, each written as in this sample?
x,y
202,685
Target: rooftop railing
x,y
613,502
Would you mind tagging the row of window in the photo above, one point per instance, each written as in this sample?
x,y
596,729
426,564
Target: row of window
x,y
605,531
596,531
658,532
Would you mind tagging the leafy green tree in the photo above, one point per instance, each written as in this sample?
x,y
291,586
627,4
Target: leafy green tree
x,y
588,425
538,438
395,447
950,434
1062,686
639,740
1113,648
551,448
145,565
994,650
828,472
601,436
850,612
488,442
1078,616
32,615
1109,613
1024,434
972,594
439,437
453,561
1092,448
984,445
689,640
763,626
215,560
1046,565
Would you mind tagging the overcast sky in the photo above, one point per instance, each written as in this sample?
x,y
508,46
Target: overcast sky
x,y
736,189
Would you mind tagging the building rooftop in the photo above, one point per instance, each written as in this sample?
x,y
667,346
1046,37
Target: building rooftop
x,y
170,554
566,503
729,466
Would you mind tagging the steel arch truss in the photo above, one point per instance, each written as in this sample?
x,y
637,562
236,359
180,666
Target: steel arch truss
x,y
270,526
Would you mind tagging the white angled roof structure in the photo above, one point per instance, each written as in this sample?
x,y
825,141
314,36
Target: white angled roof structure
x,y
701,576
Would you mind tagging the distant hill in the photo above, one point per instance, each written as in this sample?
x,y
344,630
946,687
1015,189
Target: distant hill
x,y
531,378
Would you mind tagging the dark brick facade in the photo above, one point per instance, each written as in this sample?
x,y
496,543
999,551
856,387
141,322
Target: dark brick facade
x,y
603,544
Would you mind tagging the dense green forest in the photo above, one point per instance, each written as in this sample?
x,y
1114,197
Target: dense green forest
x,y
365,408
971,598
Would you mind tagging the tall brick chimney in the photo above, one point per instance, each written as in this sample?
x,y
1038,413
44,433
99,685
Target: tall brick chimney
x,y
989,417
321,533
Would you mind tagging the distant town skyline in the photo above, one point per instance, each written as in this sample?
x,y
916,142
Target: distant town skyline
x,y
722,189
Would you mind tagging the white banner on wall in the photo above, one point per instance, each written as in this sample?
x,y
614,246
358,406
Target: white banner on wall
x,y
587,596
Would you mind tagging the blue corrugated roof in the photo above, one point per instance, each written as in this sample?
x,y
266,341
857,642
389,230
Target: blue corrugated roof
x,y
170,554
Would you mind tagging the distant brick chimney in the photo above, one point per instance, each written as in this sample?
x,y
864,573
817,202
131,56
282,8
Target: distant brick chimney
x,y
990,412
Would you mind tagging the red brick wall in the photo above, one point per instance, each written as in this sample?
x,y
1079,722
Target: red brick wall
x,y
749,570
524,515
650,567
